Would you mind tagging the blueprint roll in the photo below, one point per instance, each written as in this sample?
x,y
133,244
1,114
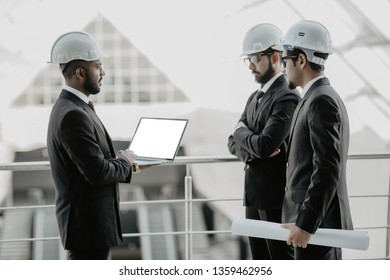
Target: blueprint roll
x,y
350,239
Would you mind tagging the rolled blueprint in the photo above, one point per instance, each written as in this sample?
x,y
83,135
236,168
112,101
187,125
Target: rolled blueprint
x,y
350,239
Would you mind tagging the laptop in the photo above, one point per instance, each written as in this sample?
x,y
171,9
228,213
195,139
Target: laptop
x,y
157,140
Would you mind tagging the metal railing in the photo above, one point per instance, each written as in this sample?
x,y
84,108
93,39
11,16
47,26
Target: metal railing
x,y
188,199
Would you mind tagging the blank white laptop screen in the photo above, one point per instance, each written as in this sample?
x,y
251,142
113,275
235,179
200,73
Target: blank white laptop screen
x,y
157,138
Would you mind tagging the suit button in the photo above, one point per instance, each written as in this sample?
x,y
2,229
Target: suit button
x,y
285,189
287,164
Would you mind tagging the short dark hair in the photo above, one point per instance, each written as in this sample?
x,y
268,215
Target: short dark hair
x,y
270,51
313,66
69,68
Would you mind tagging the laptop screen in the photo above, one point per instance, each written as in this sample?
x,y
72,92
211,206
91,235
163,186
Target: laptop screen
x,y
158,138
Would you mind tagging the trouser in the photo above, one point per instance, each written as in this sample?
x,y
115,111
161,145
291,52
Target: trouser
x,y
88,254
315,252
267,249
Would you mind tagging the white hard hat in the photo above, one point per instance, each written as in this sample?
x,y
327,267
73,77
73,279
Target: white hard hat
x,y
75,45
311,37
262,37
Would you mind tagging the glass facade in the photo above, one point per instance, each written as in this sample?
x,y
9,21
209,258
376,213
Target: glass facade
x,y
130,76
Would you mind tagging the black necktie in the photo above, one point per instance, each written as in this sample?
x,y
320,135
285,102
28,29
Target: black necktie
x,y
99,122
259,95
90,104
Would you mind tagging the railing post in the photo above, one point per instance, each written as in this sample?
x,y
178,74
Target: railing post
x,y
388,226
188,213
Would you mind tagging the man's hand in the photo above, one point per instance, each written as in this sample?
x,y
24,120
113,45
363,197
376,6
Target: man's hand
x,y
240,124
298,237
277,151
129,155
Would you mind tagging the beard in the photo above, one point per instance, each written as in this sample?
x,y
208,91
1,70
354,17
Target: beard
x,y
90,86
264,78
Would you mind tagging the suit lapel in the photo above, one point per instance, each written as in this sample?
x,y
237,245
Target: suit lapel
x,y
99,123
323,81
80,103
273,88
263,101
95,118
293,122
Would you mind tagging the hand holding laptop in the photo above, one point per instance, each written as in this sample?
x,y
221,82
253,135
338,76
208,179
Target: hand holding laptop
x,y
130,156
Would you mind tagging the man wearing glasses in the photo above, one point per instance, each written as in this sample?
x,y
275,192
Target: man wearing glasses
x,y
260,137
316,190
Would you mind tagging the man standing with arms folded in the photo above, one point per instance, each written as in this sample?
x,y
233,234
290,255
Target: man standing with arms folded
x,y
316,190
260,137
85,169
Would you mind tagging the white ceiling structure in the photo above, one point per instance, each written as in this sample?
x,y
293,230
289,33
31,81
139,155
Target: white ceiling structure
x,y
197,43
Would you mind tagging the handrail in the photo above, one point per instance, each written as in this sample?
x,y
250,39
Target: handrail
x,y
179,160
369,156
188,200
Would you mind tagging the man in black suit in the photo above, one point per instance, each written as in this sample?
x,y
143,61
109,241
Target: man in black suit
x,y
259,139
85,169
316,190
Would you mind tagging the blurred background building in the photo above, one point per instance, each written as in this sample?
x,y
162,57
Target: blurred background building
x,y
180,58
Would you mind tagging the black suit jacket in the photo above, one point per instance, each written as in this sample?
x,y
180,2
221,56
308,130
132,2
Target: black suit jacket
x,y
316,193
86,175
267,129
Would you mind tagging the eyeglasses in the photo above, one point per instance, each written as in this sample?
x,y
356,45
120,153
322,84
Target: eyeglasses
x,y
254,59
284,58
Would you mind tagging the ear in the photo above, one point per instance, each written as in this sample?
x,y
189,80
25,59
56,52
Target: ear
x,y
79,73
302,60
275,57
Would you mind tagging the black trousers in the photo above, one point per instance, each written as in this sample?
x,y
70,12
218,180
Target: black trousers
x,y
315,252
88,254
267,249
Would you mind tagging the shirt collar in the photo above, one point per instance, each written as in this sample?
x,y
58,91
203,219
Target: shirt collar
x,y
309,84
78,93
268,84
